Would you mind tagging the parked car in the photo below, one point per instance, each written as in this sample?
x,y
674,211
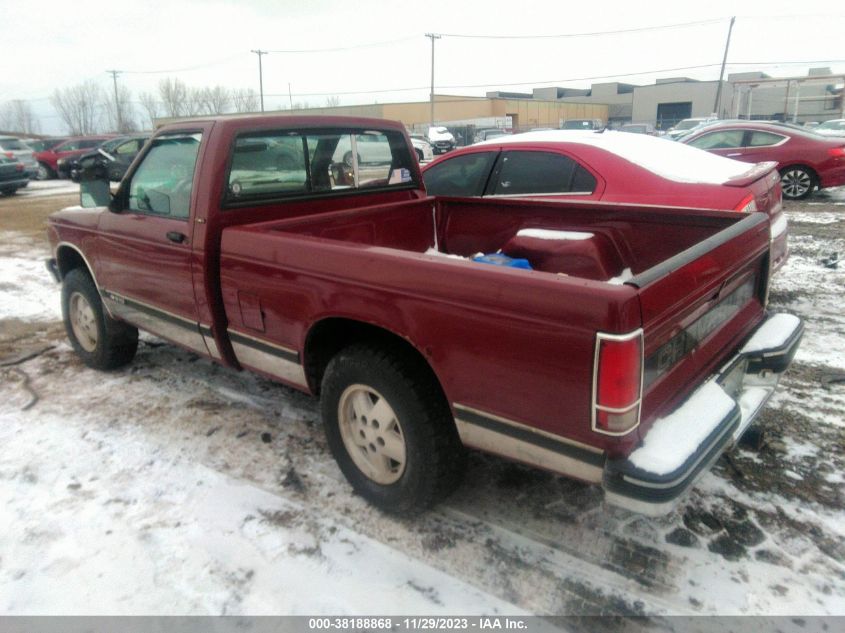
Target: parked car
x,y
115,155
422,147
13,175
611,167
16,149
805,159
48,159
582,124
685,126
636,351
40,145
441,139
639,128
834,127
488,133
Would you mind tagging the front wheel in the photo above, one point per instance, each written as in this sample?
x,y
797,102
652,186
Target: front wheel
x,y
100,341
44,172
390,429
797,182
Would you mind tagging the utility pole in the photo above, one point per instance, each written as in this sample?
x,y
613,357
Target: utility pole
x,y
259,52
290,96
117,111
433,37
718,103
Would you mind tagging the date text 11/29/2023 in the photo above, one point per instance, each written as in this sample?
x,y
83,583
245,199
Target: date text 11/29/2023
x,y
480,623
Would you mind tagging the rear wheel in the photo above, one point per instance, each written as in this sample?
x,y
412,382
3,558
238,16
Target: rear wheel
x,y
419,152
9,191
100,341
797,182
44,172
390,429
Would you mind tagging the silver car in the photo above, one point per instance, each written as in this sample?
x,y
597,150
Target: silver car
x,y
12,147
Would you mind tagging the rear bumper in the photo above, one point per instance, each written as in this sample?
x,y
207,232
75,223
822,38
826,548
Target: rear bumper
x,y
651,483
17,183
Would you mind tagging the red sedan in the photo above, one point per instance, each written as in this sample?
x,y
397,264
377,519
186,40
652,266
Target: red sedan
x,y
610,167
805,160
48,159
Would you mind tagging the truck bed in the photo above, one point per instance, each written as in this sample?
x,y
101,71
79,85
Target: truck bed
x,y
492,332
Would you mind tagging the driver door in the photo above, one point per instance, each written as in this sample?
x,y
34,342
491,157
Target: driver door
x,y
144,244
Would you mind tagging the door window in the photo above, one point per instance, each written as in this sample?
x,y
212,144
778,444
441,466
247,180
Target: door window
x,y
764,139
529,173
724,139
163,182
460,176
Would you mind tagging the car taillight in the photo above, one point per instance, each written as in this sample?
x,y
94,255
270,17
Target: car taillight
x,y
19,166
747,204
10,154
617,382
836,152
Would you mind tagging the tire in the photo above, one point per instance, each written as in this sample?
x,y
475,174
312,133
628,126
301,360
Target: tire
x,y
797,182
45,172
420,156
8,192
100,341
410,456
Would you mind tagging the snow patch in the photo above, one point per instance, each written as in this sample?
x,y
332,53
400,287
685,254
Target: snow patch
x,y
672,439
545,234
626,275
773,333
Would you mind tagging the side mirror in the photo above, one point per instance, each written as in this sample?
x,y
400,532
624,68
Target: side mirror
x,y
94,188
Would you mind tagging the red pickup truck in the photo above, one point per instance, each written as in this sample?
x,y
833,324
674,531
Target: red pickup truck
x,y
624,346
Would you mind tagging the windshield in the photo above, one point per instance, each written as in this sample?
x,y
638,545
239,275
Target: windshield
x,y
12,144
688,124
832,125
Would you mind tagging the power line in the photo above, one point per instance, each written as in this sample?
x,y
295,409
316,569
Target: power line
x,y
588,34
344,48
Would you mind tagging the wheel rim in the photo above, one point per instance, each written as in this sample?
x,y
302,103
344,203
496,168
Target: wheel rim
x,y
42,173
372,434
795,183
83,322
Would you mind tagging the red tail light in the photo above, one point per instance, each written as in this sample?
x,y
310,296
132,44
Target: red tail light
x,y
747,205
836,152
19,167
10,154
617,382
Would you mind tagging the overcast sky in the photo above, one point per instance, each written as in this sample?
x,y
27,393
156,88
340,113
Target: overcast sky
x,y
54,44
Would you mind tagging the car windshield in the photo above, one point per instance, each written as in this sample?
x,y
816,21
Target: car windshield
x,y
12,144
832,125
688,124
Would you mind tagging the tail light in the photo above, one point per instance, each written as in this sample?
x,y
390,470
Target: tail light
x,y
10,154
19,167
836,152
747,205
617,382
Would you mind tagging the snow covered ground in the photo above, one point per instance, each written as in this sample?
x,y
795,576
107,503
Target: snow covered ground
x,y
39,188
175,486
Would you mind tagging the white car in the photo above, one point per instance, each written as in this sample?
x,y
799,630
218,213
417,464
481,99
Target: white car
x,y
834,127
422,147
441,139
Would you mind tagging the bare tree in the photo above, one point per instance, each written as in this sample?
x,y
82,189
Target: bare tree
x,y
245,100
333,101
195,103
216,100
17,116
121,115
174,97
77,106
151,107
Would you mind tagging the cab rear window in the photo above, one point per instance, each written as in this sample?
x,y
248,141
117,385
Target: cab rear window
x,y
274,164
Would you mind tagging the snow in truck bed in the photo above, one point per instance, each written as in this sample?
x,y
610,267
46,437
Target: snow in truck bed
x,y
668,159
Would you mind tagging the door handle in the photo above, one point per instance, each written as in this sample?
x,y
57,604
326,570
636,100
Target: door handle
x,y
176,236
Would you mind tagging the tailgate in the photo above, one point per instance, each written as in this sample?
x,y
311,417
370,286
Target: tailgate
x,y
696,309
